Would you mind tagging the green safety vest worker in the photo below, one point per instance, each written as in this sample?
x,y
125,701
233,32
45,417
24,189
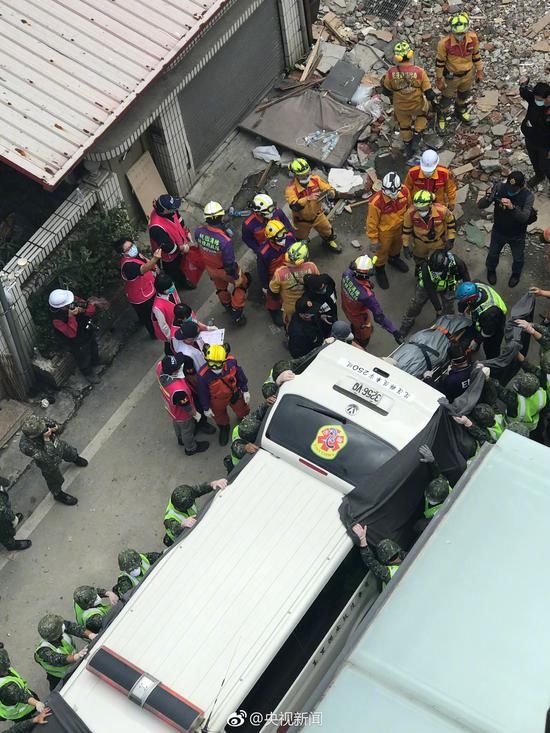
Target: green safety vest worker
x,y
66,648
83,614
20,709
493,299
497,428
173,513
392,569
440,283
529,408
234,435
145,565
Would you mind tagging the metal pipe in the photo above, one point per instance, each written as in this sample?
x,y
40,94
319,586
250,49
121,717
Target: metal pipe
x,y
9,328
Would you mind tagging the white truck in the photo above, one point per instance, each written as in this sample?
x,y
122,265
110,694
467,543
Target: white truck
x,y
234,627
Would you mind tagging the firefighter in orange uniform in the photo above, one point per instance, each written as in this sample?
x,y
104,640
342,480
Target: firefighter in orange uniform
x,y
427,227
432,177
270,257
288,280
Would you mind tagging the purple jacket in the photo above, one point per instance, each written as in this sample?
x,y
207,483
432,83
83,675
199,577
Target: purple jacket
x,y
253,232
229,371
215,242
356,291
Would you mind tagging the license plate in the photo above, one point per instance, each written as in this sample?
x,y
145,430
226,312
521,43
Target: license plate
x,y
367,393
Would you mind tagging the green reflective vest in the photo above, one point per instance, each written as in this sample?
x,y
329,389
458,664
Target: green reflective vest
x,y
83,614
20,709
493,298
66,648
430,510
497,428
393,569
529,408
234,435
441,284
173,513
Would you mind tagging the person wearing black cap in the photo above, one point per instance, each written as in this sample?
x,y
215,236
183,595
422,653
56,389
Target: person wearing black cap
x,y
304,330
536,129
179,401
185,341
321,291
513,213
168,233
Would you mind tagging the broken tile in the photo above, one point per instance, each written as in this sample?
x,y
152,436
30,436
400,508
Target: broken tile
x,y
489,165
475,235
461,170
462,194
331,53
488,101
446,157
499,130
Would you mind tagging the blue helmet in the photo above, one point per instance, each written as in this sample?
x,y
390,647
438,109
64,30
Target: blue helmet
x,y
467,291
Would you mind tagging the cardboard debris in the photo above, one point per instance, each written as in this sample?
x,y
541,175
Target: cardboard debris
x,y
336,27
380,34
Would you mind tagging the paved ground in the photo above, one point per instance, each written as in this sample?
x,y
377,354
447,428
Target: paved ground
x,y
134,459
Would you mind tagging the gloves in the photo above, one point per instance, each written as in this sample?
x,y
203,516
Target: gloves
x,y
219,483
264,291
81,654
189,522
407,252
211,328
246,397
525,325
208,413
285,376
197,417
426,455
398,336
40,707
486,372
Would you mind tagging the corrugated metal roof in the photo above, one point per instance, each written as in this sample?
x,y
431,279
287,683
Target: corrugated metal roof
x,y
460,642
70,68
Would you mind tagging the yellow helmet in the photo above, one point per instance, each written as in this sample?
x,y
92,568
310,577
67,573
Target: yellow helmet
x,y
362,266
422,199
460,23
215,356
275,229
297,253
213,210
402,52
300,167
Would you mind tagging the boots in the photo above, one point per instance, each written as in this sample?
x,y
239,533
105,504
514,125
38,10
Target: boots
x,y
203,426
66,499
462,114
398,263
81,462
224,434
381,277
277,318
239,318
417,138
201,446
332,245
18,545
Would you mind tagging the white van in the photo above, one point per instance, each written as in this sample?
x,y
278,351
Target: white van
x,y
235,626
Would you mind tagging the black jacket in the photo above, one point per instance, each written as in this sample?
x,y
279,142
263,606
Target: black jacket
x,y
536,123
511,222
303,336
326,303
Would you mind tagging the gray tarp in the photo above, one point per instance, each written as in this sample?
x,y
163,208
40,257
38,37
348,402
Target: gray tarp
x,y
288,122
513,335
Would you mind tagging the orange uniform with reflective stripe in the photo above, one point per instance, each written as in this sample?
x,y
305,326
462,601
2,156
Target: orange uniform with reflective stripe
x,y
458,57
424,236
441,184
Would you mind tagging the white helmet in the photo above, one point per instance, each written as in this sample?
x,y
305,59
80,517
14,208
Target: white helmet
x,y
429,162
213,210
263,204
391,184
60,298
363,266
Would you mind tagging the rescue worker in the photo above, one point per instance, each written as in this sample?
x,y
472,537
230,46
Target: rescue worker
x,y
89,607
409,88
436,280
458,60
491,423
133,567
487,311
181,512
9,521
427,226
288,280
539,331
303,196
536,129
186,341
321,291
430,176
219,258
56,652
179,402
271,256
162,312
223,383
513,212
519,428
244,435
71,318
183,313
436,492
138,275
457,380
524,402
40,442
17,701
26,726
254,226
167,232
390,555
304,330
384,226
360,304
282,371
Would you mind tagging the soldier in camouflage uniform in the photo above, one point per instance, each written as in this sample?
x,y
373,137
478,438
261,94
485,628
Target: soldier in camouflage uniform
x,y
8,523
56,651
133,566
436,491
390,555
26,726
89,608
181,511
40,442
244,436
17,700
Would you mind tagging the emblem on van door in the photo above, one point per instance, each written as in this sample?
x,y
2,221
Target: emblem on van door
x,y
329,441
352,409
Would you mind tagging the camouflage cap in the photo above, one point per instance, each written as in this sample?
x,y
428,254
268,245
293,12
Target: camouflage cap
x,y
182,497
33,426
248,429
269,389
50,627
526,384
5,662
519,428
84,596
387,550
437,490
279,367
128,560
483,414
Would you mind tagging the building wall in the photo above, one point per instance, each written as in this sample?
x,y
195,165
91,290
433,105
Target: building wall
x,y
293,27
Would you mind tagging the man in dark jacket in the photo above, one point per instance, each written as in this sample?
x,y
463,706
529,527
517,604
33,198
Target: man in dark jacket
x,y
304,330
513,212
321,291
536,129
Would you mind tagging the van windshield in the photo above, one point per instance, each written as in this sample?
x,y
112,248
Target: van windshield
x,y
327,439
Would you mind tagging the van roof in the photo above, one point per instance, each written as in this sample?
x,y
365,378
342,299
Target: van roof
x,y
458,642
414,402
222,601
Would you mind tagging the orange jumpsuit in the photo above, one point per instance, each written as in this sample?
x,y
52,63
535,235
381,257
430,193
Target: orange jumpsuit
x,y
384,223
455,61
288,281
441,183
306,214
408,82
425,236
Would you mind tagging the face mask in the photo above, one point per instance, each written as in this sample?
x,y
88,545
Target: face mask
x,y
135,573
459,36
426,174
539,102
391,194
97,601
216,370
304,181
170,290
62,629
424,213
133,251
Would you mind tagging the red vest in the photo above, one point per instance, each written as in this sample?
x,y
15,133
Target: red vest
x,y
167,308
140,288
224,386
177,233
176,412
